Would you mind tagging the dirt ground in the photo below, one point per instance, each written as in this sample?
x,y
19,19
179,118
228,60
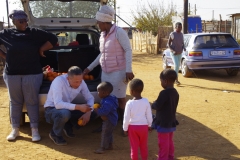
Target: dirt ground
x,y
208,113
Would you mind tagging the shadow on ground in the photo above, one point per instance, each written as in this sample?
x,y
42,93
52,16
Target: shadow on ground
x,y
192,139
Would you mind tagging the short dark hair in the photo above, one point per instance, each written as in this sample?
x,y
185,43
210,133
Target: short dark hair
x,y
106,86
168,74
74,70
178,24
136,85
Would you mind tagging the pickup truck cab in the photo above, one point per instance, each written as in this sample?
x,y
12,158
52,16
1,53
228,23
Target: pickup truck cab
x,y
73,22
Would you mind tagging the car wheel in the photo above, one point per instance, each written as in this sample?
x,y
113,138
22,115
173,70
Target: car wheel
x,y
164,61
185,70
232,71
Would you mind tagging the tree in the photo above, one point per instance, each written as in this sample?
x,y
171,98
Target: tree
x,y
150,17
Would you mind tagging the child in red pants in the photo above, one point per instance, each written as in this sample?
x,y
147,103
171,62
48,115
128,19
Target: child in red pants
x,y
137,120
165,106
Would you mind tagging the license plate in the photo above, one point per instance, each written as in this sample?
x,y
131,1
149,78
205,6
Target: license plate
x,y
218,53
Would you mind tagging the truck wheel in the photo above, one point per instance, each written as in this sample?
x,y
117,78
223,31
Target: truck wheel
x,y
164,61
185,70
232,71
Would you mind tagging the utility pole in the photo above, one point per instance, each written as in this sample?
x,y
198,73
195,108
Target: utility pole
x,y
115,18
195,9
189,9
7,14
185,20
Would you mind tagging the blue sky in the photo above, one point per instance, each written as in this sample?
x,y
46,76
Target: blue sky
x,y
204,8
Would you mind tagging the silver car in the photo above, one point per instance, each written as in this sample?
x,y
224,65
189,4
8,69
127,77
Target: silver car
x,y
207,51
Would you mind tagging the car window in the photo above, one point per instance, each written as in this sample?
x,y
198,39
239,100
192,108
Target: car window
x,y
186,40
74,38
57,9
212,41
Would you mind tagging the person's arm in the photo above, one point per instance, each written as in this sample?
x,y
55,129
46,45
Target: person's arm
x,y
46,46
2,54
126,119
105,109
149,114
87,94
171,37
47,39
124,41
159,103
92,65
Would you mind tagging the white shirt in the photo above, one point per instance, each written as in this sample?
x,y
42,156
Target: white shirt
x,y
61,94
137,112
123,39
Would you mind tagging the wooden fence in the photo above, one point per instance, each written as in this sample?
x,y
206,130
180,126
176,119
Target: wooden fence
x,y
144,42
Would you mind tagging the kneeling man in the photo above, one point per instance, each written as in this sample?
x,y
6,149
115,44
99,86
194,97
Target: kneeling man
x,y
59,110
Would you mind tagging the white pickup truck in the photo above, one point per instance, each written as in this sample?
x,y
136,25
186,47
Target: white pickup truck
x,y
78,38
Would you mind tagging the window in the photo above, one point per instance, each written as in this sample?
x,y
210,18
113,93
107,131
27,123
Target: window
x,y
186,40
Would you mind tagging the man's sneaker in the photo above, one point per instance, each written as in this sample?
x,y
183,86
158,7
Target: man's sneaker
x,y
58,140
68,133
13,134
35,135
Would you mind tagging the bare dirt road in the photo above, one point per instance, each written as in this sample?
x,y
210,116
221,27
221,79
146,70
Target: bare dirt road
x,y
208,112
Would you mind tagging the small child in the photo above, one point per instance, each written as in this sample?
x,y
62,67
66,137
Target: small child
x,y
137,120
165,106
108,113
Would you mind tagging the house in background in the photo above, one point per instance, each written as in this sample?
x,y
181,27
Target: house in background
x,y
235,25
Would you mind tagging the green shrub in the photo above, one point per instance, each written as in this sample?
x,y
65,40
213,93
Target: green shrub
x,y
238,40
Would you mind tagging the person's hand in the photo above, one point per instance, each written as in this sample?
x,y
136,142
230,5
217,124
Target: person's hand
x,y
126,133
86,71
85,118
83,107
41,53
150,129
129,76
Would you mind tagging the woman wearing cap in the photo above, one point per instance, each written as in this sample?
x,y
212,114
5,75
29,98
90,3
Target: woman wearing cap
x,y
115,57
23,71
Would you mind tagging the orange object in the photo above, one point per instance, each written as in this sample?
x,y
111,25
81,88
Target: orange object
x,y
55,74
91,77
86,77
96,106
49,74
80,121
50,78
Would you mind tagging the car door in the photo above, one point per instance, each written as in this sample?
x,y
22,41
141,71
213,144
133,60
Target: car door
x,y
62,13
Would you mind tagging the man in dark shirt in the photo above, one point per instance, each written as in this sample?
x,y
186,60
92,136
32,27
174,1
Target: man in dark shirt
x,y
23,72
166,105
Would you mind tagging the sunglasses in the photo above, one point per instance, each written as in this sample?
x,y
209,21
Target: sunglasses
x,y
22,21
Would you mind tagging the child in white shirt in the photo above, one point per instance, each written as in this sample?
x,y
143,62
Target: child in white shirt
x,y
137,120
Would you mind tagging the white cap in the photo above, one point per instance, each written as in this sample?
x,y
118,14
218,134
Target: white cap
x,y
105,14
